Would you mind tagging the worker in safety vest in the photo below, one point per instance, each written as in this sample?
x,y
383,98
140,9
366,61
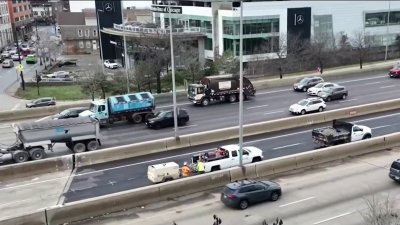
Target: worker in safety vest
x,y
200,166
186,171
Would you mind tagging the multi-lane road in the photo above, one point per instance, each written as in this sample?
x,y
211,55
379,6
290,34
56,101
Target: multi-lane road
x,y
328,195
127,174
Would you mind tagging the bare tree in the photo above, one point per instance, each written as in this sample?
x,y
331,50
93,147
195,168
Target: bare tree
x,y
360,44
94,82
281,52
189,58
380,213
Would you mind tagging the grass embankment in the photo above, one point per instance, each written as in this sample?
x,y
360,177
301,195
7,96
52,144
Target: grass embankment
x,y
67,92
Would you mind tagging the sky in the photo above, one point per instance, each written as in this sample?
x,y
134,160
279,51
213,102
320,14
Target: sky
x,y
78,5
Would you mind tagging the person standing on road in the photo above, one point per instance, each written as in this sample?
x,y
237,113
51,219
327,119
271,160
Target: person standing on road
x,y
186,171
200,166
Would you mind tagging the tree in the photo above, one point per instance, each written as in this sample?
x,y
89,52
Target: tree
x,y
360,44
380,213
281,52
94,82
189,58
227,63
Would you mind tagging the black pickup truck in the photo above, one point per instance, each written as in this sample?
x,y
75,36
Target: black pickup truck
x,y
340,132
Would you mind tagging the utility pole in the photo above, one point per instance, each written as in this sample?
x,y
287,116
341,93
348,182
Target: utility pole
x,y
126,56
101,46
241,86
173,73
20,63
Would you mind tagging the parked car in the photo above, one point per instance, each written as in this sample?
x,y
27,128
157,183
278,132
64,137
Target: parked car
x,y
308,105
317,88
241,194
111,64
166,119
394,172
332,93
1,58
306,83
13,51
31,59
6,54
24,47
69,113
58,74
41,102
395,71
67,62
16,57
7,63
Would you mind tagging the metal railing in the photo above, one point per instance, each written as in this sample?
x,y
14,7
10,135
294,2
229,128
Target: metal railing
x,y
129,28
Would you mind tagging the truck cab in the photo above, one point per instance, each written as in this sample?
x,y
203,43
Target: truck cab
x,y
359,132
97,110
196,93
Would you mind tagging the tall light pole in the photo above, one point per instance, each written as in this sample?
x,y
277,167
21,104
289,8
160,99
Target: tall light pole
x,y
173,73
387,32
99,33
126,57
241,86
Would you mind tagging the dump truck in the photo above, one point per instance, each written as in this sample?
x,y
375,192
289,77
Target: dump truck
x,y
134,107
340,132
78,134
219,88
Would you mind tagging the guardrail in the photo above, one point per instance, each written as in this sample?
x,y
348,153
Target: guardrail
x,y
137,29
141,196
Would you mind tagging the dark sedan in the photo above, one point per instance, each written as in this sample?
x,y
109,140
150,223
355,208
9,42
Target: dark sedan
x,y
241,194
66,63
69,113
166,119
41,102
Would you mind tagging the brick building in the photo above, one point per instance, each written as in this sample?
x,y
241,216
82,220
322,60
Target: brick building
x,y
21,17
6,34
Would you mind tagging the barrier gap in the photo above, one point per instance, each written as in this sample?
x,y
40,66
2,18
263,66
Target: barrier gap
x,y
45,216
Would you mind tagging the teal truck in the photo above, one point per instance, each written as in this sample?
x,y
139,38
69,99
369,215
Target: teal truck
x,y
133,107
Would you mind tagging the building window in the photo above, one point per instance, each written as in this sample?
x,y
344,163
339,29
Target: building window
x,y
208,44
21,18
80,33
25,7
15,9
81,44
376,19
26,16
16,19
87,33
95,33
88,45
20,9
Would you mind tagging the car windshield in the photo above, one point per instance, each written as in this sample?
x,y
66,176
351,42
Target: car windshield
x,y
327,90
161,114
65,112
320,85
305,80
302,102
93,108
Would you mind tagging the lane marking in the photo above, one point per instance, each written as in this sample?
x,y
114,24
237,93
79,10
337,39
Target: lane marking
x,y
271,92
5,126
235,103
167,106
255,107
380,127
332,218
348,100
295,202
16,106
286,146
267,113
349,81
193,125
388,86
44,118
373,83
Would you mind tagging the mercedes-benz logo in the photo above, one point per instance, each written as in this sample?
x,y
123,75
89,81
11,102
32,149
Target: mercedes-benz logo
x,y
108,6
300,19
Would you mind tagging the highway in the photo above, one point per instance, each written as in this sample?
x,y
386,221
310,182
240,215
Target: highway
x,y
267,105
127,174
332,194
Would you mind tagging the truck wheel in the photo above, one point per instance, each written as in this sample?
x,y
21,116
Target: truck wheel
x,y
79,147
20,156
37,153
92,145
232,98
137,118
205,102
367,136
148,116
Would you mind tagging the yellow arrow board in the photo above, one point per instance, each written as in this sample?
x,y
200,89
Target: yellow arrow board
x,y
20,67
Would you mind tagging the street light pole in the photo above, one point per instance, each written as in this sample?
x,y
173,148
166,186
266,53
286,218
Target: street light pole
x,y
173,73
241,86
126,57
99,33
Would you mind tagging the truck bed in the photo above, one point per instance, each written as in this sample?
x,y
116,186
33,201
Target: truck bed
x,y
330,135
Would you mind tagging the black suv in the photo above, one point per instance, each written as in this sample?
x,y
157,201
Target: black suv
x,y
332,93
241,194
306,83
395,170
166,119
69,113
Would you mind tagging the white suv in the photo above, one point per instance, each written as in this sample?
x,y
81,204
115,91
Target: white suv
x,y
111,64
308,105
317,88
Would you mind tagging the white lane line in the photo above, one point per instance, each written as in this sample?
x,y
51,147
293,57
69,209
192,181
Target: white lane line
x,y
295,202
255,107
270,92
286,146
381,126
349,81
5,126
348,100
388,86
273,112
193,125
16,106
42,119
167,106
373,83
332,218
235,103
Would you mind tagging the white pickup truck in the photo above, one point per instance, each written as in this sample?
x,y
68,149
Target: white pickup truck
x,y
229,158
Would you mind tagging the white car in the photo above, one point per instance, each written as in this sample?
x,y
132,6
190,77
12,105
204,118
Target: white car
x,y
6,54
16,57
317,88
308,105
111,64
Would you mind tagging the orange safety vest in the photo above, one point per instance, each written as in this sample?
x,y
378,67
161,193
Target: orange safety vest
x,y
186,171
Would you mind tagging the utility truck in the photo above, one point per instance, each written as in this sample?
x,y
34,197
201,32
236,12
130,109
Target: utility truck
x,y
223,157
219,88
340,132
134,107
78,134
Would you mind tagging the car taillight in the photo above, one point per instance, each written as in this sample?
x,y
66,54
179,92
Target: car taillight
x,y
231,196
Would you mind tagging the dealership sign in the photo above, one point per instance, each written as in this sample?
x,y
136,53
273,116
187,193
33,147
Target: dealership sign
x,y
165,9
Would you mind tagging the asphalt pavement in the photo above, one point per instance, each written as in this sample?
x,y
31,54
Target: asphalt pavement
x,y
330,194
116,176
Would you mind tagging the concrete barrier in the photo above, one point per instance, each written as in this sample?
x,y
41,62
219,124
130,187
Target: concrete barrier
x,y
97,206
181,142
34,218
33,168
213,136
248,171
